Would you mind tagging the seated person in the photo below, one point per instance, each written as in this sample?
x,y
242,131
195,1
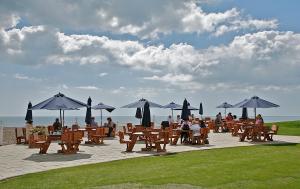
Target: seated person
x,y
229,117
178,119
234,117
171,120
93,122
185,126
195,127
202,124
111,126
259,120
164,124
56,125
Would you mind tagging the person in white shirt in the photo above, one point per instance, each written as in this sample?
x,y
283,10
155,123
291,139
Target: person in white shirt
x,y
195,127
178,119
171,120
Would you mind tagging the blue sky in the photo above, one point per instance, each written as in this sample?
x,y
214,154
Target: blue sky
x,y
120,51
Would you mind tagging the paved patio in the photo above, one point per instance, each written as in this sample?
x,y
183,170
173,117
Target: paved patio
x,y
19,159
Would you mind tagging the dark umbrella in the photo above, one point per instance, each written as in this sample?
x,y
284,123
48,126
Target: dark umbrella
x,y
225,105
189,110
146,121
185,111
59,102
101,107
255,102
28,116
141,104
201,110
88,115
138,114
244,113
172,106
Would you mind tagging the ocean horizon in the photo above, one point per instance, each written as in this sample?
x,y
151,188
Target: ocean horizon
x,y
19,121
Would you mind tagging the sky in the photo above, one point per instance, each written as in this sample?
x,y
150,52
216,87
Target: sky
x,y
116,52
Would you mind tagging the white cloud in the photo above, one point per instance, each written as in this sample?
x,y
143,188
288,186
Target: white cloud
x,y
103,74
119,90
145,19
21,77
172,78
253,58
183,81
89,87
64,86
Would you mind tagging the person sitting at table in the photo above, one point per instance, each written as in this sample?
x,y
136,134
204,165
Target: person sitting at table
x,y
259,120
218,122
111,126
171,120
202,124
56,125
93,122
234,117
185,127
195,127
229,117
178,119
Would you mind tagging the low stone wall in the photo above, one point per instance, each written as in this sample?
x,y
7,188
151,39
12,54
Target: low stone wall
x,y
9,136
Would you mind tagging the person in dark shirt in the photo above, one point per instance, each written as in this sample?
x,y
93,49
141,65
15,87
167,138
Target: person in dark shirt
x,y
56,125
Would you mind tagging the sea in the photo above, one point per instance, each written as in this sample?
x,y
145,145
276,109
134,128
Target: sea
x,y
18,121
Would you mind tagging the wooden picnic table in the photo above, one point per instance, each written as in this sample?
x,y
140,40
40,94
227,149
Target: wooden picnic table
x,y
69,142
44,145
255,133
134,137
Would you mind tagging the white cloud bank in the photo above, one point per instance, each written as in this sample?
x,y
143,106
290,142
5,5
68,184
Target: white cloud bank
x,y
267,58
144,19
261,57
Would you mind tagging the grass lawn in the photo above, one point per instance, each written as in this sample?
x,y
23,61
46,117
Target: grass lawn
x,y
288,128
263,166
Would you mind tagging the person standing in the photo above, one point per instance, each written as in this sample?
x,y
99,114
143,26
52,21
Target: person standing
x,y
218,122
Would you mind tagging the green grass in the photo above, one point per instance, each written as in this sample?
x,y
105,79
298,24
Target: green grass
x,y
288,128
263,166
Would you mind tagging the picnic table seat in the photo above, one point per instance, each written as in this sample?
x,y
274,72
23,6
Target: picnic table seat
x,y
42,145
162,139
122,139
98,136
273,131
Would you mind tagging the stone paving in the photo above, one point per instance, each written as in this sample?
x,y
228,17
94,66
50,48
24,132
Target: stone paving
x,y
19,159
